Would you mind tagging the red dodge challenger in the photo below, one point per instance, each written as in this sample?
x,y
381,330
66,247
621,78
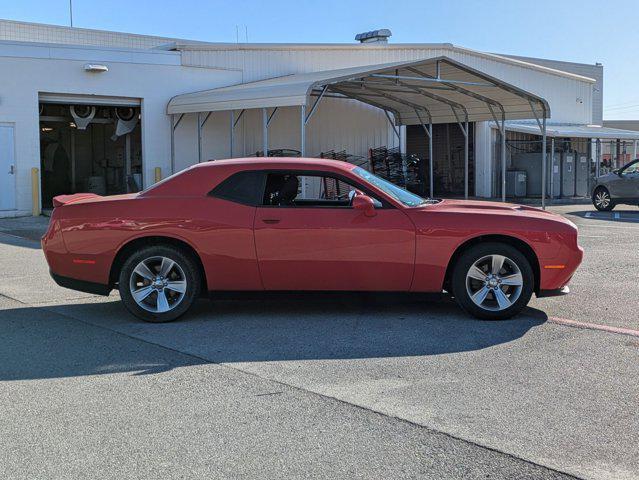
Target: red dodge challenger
x,y
303,224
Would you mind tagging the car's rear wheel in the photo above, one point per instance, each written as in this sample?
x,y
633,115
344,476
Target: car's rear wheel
x,y
492,281
159,283
602,200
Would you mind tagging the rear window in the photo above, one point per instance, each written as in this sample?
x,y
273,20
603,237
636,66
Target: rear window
x,y
246,188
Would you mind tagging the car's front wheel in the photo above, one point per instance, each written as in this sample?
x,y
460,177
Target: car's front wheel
x,y
159,283
492,281
602,200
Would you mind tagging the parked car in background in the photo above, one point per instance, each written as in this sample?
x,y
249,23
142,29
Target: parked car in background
x,y
618,186
303,224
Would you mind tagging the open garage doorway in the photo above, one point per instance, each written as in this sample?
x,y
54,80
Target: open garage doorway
x,y
89,147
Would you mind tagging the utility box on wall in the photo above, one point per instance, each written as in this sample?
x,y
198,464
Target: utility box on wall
x,y
554,182
516,183
582,173
568,174
530,163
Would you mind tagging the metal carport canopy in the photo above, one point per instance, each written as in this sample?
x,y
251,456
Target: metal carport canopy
x,y
575,131
441,89
422,92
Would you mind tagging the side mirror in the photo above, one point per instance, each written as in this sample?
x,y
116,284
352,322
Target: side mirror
x,y
365,204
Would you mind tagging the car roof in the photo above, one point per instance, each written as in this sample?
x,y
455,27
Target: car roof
x,y
278,162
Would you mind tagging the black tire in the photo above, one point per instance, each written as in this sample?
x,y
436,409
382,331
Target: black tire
x,y
186,266
477,253
598,199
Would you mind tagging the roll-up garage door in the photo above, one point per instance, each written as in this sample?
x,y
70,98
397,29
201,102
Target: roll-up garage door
x,y
73,99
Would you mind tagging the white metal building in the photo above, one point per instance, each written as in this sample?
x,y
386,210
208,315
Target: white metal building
x,y
93,110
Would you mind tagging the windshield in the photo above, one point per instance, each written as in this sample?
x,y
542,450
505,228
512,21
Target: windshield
x,y
631,168
404,196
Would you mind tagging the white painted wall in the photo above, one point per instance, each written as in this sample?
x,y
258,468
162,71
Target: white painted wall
x,y
37,68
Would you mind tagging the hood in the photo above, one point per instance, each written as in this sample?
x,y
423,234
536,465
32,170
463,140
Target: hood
x,y
607,177
494,209
487,207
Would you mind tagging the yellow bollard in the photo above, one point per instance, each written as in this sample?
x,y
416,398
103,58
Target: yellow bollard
x,y
35,192
158,174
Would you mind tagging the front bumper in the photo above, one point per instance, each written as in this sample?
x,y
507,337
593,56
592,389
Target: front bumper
x,y
557,292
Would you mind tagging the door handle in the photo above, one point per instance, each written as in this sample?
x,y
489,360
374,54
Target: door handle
x,y
12,169
271,221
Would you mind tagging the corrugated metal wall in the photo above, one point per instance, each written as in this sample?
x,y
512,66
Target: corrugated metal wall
x,y
586,70
337,125
36,32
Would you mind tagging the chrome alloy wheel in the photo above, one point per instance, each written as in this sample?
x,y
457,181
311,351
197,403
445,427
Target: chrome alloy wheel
x,y
494,282
602,199
158,284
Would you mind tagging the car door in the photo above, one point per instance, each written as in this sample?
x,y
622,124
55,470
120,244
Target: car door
x,y
631,176
627,185
317,241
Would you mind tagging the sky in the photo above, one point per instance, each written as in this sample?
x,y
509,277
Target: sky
x,y
584,31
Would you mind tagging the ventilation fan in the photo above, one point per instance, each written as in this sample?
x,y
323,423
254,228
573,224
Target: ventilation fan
x,y
127,119
82,115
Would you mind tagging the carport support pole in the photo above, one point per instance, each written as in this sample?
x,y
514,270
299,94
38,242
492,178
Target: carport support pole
x,y
634,150
303,121
265,132
232,133
199,138
503,158
303,131
466,159
72,140
430,159
172,117
552,168
543,162
598,155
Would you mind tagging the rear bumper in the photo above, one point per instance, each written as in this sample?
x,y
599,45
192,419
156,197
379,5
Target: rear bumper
x,y
81,285
557,292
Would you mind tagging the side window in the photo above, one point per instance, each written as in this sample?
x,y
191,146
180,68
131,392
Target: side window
x,y
243,187
325,188
292,190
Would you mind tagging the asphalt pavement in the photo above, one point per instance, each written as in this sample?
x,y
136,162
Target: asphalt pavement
x,y
325,385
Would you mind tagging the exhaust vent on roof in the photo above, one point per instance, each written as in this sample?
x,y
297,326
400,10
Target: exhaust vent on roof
x,y
374,36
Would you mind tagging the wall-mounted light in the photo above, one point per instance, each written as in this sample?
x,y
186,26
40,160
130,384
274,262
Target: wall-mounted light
x,y
95,68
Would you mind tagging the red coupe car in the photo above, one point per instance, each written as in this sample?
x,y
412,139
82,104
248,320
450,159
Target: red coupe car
x,y
303,224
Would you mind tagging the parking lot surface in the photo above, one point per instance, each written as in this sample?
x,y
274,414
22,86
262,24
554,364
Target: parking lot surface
x,y
325,385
